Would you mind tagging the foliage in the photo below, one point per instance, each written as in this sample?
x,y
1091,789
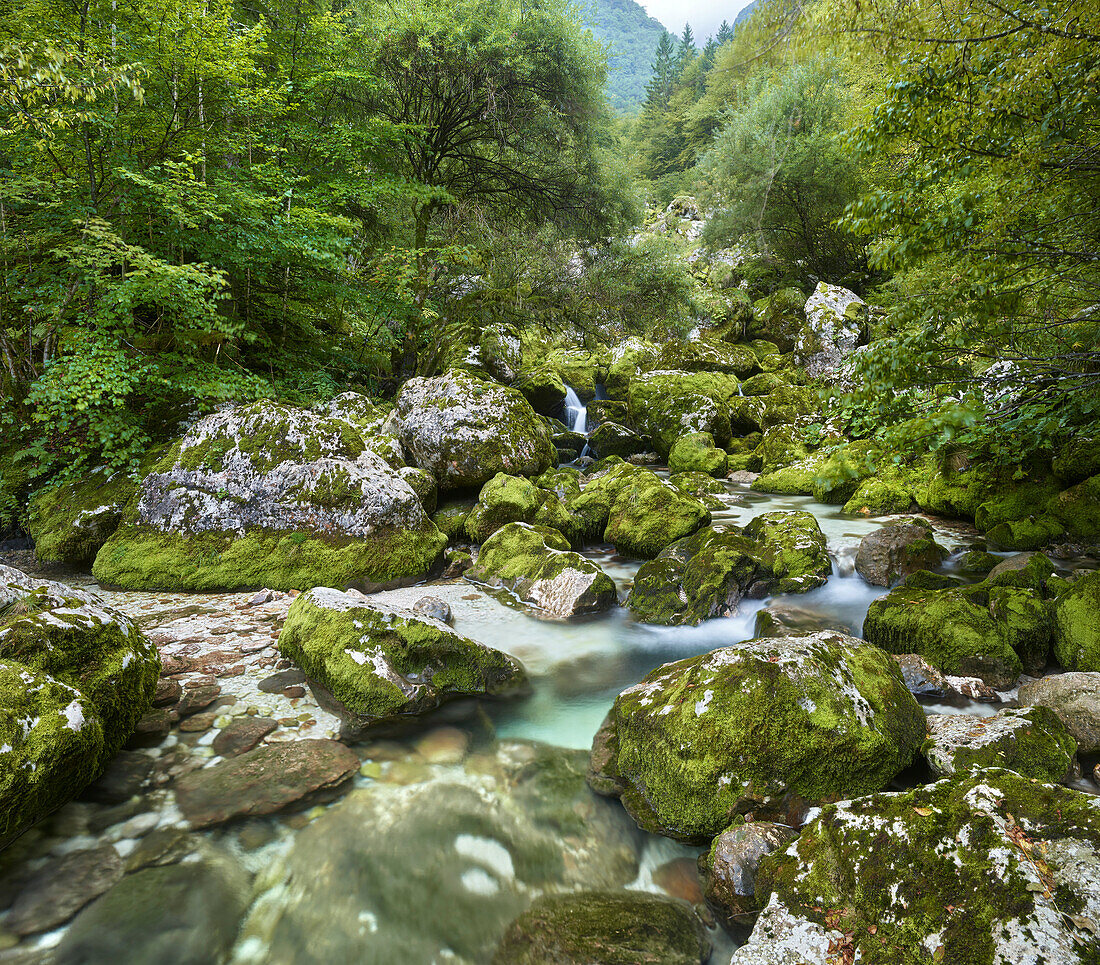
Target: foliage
x,y
630,36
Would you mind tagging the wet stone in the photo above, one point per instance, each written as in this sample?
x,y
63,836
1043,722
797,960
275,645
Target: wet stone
x,y
434,608
444,745
263,780
679,878
153,727
197,698
293,692
168,692
125,776
198,722
160,847
242,734
278,682
59,890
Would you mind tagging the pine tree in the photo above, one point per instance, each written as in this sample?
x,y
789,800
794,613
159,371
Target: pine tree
x,y
725,33
659,88
686,51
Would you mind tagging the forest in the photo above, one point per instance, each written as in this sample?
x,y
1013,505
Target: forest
x,y
498,482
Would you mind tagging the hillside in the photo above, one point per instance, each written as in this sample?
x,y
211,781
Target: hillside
x,y
746,13
632,35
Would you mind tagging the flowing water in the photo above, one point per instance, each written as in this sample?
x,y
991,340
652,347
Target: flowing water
x,y
446,833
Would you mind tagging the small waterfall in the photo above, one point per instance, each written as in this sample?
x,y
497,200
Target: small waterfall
x,y
576,415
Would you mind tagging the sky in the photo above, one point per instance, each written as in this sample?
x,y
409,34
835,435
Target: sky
x,y
703,15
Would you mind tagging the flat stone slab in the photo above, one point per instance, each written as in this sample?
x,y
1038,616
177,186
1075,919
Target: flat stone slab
x,y
263,780
60,889
242,734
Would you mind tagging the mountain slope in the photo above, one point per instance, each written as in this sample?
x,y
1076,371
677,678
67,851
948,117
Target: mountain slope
x,y
632,36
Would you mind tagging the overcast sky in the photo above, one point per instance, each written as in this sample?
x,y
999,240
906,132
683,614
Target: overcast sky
x,y
703,15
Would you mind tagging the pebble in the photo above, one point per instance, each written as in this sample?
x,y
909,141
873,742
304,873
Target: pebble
x,y
199,722
444,745
242,734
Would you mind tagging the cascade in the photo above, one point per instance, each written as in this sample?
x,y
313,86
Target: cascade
x,y
575,412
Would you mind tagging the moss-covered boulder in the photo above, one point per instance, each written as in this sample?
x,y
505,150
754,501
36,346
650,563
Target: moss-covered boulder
x,y
511,499
75,678
987,866
992,630
268,495
890,554
709,354
612,928
629,358
383,664
879,497
1077,623
756,727
843,471
836,323
537,566
637,511
696,452
564,482
543,388
1075,698
796,479
465,430
711,492
1076,511
784,445
779,318
977,562
665,404
450,518
793,548
762,383
613,439
1077,459
607,410
70,522
1033,742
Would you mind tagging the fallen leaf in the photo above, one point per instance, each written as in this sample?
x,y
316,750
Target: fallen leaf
x,y
923,812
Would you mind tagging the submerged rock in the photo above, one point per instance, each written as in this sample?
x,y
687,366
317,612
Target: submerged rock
x,y
1075,698
382,663
889,555
57,891
759,726
614,927
75,679
1032,742
267,495
536,564
263,781
988,866
477,847
464,430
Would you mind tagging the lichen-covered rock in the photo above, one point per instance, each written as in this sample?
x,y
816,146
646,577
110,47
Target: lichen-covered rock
x,y
383,663
513,499
1075,698
984,867
267,495
793,548
836,320
842,472
879,497
708,354
729,870
544,389
696,452
706,574
783,445
1077,622
536,564
614,928
977,562
780,318
890,554
987,630
579,370
75,678
754,727
613,439
564,482
1033,742
637,511
464,430
629,358
500,351
708,490
665,404
606,410
797,479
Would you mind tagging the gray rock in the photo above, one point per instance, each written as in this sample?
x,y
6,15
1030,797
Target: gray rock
x,y
125,776
278,682
179,914
52,895
729,870
890,554
835,325
1075,698
435,609
242,734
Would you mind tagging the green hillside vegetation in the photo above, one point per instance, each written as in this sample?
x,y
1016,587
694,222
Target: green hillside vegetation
x,y
631,36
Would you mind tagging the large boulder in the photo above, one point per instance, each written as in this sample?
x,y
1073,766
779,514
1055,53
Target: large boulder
x,y
613,439
987,630
637,511
1033,742
614,927
888,555
987,866
836,322
629,358
666,404
1077,623
706,574
780,318
265,495
709,354
465,430
761,726
382,663
477,846
793,549
75,678
537,566
544,389
514,499
696,452
1075,698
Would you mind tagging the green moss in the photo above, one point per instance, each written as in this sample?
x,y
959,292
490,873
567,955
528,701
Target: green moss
x,y
932,874
780,317
1077,510
1077,459
783,445
509,499
977,562
844,470
746,728
632,356
140,558
340,646
613,439
564,482
1014,501
793,480
762,384
543,388
696,452
793,548
666,404
613,928
701,486
1077,627
450,518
